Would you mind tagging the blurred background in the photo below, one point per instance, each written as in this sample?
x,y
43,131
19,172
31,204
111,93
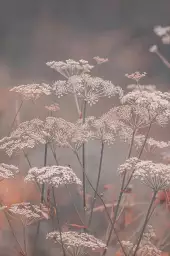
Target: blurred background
x,y
33,32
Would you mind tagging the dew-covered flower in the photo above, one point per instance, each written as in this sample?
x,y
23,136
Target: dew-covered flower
x,y
70,67
136,76
27,135
32,91
53,175
100,60
75,242
53,107
27,212
8,171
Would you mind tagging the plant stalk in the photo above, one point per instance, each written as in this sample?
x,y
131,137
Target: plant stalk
x,y
97,184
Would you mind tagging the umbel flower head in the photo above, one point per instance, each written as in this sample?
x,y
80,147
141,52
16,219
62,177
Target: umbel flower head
x,y
101,129
55,176
73,240
66,134
8,171
28,213
70,67
156,103
99,60
151,145
32,91
86,87
164,33
154,175
27,135
136,76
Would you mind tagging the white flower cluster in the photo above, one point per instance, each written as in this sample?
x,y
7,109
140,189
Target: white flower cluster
x,y
151,144
27,212
53,175
27,135
77,240
146,247
129,166
34,132
86,87
32,91
136,76
66,134
156,103
164,33
8,171
154,175
99,60
101,129
149,250
70,67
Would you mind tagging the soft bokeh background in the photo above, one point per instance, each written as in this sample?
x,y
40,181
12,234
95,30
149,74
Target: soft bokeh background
x,y
33,32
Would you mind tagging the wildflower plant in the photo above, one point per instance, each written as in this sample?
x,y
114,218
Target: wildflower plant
x,y
140,108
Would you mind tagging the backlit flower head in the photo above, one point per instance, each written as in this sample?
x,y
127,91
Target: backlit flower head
x,y
8,171
27,212
32,91
100,60
136,76
73,240
53,175
70,67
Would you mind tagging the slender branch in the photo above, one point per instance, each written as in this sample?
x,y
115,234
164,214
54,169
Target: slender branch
x,y
24,237
97,184
13,233
45,163
123,183
75,208
83,165
101,199
15,117
54,154
164,60
145,222
58,221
